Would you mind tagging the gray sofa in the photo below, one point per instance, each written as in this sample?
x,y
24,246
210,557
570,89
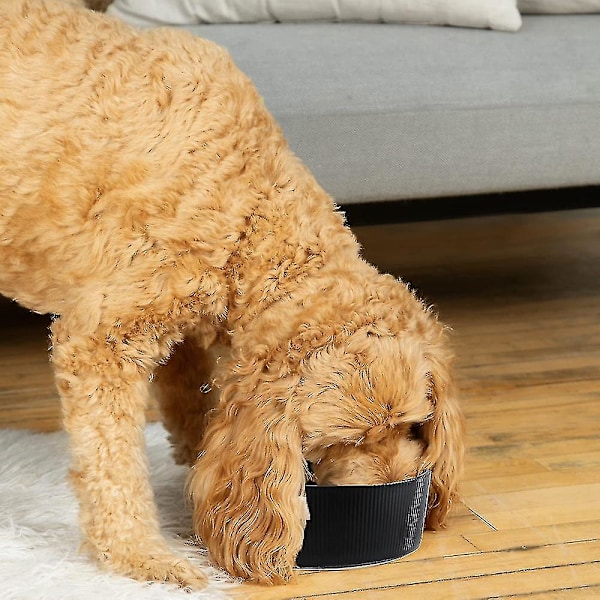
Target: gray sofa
x,y
399,112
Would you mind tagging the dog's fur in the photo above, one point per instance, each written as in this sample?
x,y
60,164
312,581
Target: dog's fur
x,y
149,201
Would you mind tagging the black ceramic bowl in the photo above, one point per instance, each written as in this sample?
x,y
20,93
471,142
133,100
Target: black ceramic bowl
x,y
357,525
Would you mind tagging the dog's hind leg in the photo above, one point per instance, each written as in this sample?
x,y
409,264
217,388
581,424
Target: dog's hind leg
x,y
103,381
185,393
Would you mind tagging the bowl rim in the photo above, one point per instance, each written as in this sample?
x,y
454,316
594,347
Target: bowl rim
x,y
313,485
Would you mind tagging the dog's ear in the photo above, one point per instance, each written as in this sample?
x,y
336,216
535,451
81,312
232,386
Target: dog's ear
x,y
247,485
443,435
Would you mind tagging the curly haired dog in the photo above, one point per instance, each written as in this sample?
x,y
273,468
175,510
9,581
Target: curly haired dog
x,y
149,201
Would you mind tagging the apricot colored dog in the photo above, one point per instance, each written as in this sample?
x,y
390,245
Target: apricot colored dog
x,y
149,202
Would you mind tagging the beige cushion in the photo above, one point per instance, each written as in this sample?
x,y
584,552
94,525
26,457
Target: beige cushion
x,y
493,14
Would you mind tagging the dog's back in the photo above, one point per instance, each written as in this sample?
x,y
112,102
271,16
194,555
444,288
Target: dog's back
x,y
110,139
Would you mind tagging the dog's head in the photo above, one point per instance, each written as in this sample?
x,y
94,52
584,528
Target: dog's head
x,y
372,404
361,410
380,407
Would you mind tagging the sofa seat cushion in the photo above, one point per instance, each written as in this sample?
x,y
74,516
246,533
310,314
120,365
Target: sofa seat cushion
x,y
386,112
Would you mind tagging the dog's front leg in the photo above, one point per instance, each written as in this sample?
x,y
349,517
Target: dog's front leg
x,y
103,386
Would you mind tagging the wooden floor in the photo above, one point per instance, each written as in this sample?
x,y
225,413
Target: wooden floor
x,y
523,296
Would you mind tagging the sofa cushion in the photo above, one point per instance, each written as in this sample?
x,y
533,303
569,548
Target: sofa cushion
x,y
495,14
383,112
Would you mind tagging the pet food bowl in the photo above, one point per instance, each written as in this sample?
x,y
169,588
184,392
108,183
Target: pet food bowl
x,y
359,525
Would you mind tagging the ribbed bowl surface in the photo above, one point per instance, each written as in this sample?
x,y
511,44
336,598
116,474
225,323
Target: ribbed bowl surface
x,y
358,525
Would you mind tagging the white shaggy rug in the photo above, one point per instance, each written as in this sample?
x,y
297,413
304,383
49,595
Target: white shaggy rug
x,y
39,535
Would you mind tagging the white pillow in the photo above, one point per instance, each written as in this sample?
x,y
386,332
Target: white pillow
x,y
559,6
493,14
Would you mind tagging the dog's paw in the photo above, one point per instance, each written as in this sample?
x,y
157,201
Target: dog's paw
x,y
176,570
156,565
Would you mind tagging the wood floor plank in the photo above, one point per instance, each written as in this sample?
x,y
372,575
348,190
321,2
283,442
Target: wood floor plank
x,y
574,510
587,592
583,578
535,397
491,462
570,477
564,421
539,498
548,535
575,460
